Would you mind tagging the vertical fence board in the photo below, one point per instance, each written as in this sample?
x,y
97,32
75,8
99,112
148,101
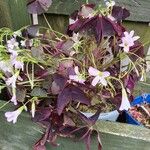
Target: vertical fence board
x,y
5,19
57,22
18,13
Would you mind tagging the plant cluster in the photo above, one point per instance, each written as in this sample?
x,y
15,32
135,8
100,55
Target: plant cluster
x,y
55,77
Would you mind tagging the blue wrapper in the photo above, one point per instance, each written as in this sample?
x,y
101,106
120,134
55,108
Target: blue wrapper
x,y
138,100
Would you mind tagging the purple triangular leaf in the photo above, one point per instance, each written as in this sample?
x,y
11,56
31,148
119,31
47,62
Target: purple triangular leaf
x,y
68,94
32,30
52,138
42,114
84,118
74,15
98,25
120,13
39,147
60,80
38,6
91,120
94,118
87,139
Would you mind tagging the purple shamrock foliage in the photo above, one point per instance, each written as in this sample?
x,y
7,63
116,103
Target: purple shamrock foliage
x,y
38,6
64,75
68,94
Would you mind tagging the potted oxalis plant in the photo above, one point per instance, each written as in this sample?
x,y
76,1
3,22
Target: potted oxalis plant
x,y
57,77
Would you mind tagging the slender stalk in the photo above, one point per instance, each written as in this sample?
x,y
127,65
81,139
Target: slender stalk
x,y
4,105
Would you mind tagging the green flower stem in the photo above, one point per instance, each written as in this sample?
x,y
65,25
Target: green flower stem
x,y
30,78
70,58
4,104
50,28
26,82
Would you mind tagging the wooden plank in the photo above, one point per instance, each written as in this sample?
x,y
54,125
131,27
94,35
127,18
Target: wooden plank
x,y
115,136
140,9
18,13
5,19
58,22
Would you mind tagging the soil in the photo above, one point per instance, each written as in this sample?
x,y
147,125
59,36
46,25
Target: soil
x,y
141,113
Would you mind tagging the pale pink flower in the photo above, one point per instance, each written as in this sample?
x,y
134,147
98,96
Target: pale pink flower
x,y
26,43
12,80
71,21
87,12
128,40
6,66
12,43
110,3
78,77
75,37
23,43
16,63
13,52
72,53
30,42
33,109
125,104
13,116
13,99
100,77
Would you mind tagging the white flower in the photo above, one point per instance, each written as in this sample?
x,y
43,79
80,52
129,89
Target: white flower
x,y
13,52
5,66
26,43
128,40
33,109
110,3
30,42
13,99
87,12
125,104
99,76
78,77
23,43
12,80
12,43
71,21
16,63
17,33
12,116
75,37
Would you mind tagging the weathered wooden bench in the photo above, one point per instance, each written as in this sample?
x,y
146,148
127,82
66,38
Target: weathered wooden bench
x,y
114,136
